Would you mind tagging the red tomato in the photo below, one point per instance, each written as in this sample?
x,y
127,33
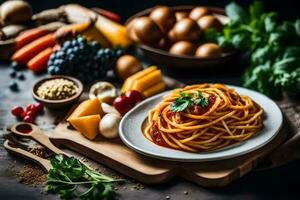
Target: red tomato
x,y
123,104
134,96
30,107
39,107
30,113
28,119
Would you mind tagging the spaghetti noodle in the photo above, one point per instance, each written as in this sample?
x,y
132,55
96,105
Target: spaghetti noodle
x,y
227,118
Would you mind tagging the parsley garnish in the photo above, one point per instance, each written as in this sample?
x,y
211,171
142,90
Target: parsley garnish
x,y
188,100
71,179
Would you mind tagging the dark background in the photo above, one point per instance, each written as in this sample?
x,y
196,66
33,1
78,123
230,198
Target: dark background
x,y
288,9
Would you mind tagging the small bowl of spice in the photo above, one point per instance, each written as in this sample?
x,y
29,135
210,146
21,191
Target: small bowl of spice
x,y
57,91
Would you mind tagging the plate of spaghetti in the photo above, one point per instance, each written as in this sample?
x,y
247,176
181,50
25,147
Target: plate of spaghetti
x,y
203,122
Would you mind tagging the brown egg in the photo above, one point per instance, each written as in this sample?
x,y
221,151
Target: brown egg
x,y
209,21
171,35
198,12
147,31
126,66
164,17
130,32
183,48
181,15
186,29
164,44
209,50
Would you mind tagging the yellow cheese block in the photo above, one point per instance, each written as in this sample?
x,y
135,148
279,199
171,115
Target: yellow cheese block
x,y
147,81
87,125
130,80
159,87
87,107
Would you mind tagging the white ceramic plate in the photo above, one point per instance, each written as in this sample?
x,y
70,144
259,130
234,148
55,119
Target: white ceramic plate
x,y
131,132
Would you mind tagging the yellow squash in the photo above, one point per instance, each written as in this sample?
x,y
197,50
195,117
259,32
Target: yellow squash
x,y
92,33
115,33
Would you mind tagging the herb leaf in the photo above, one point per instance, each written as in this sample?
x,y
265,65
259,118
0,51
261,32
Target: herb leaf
x,y
187,100
201,100
69,178
275,48
236,12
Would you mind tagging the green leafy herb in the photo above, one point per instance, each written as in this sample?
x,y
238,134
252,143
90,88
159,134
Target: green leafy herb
x,y
201,100
275,48
187,100
71,179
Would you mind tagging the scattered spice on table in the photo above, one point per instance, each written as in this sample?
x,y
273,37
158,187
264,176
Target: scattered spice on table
x,y
32,175
57,89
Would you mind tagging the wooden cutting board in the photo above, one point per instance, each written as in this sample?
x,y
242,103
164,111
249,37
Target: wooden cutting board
x,y
114,154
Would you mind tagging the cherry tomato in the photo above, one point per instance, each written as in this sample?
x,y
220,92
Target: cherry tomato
x,y
17,111
30,113
28,119
134,95
39,107
123,104
30,107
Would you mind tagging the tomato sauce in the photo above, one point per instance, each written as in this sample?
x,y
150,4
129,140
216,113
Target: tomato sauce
x,y
198,110
157,137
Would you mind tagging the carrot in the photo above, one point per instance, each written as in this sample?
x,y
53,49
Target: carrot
x,y
29,35
39,62
27,52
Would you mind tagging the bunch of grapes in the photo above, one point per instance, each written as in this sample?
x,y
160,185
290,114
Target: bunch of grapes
x,y
84,60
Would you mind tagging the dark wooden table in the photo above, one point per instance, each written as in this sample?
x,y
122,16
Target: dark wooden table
x,y
279,183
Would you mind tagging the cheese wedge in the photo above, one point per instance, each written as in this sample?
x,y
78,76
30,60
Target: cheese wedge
x,y
87,125
87,107
147,81
159,87
130,80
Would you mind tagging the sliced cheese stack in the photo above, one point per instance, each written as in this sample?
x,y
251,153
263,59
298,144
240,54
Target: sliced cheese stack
x,y
86,117
148,82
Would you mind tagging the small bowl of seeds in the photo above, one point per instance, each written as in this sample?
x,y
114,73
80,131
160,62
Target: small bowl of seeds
x,y
57,91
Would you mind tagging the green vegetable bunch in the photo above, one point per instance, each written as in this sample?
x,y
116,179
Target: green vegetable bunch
x,y
71,179
274,47
187,100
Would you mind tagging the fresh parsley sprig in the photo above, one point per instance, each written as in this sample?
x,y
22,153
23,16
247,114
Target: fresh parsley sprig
x,y
69,178
187,100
